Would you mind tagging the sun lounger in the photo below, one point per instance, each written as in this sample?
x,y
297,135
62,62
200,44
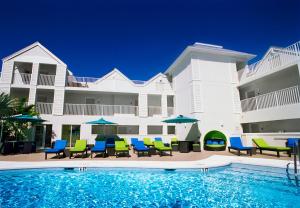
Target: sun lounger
x,y
134,141
236,144
80,147
262,145
148,142
59,147
120,147
140,148
160,147
100,147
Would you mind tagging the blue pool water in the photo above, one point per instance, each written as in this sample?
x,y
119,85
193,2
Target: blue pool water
x,y
232,186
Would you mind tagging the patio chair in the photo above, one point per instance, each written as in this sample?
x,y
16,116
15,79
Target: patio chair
x,y
80,147
134,141
120,147
160,147
174,144
140,148
157,139
59,147
100,147
263,145
236,144
125,140
148,142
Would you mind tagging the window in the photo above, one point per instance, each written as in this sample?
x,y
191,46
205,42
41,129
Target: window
x,y
155,129
90,101
104,129
128,129
171,130
71,133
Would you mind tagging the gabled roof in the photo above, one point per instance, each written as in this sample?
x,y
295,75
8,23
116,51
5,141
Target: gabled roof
x,y
35,44
114,71
202,48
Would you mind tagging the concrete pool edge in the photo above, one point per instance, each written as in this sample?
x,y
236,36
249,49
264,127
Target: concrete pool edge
x,y
210,162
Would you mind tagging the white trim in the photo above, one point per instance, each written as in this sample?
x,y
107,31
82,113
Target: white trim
x,y
211,162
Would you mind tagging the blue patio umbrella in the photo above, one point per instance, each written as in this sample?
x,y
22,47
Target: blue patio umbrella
x,y
25,119
101,121
180,119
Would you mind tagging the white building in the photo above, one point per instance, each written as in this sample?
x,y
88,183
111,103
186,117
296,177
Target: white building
x,y
207,82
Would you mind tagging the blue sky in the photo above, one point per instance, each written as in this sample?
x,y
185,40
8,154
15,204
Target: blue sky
x,y
142,38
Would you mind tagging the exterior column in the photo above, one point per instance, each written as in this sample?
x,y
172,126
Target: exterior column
x,y
58,102
143,105
34,74
6,76
164,105
32,95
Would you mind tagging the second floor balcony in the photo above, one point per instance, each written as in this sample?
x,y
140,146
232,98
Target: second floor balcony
x,y
46,79
22,78
98,109
278,98
44,108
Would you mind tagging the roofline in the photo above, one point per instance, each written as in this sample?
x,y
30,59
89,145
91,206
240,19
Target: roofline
x,y
209,50
30,47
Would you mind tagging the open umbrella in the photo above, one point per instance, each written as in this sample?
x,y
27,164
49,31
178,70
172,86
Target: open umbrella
x,y
181,119
25,119
100,121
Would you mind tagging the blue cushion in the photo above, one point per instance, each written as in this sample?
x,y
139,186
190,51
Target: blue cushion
x,y
221,142
54,150
209,142
291,142
134,141
215,142
158,139
140,146
59,146
99,146
236,143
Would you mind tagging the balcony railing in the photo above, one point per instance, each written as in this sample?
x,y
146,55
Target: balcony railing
x,y
45,79
96,109
273,99
154,110
170,111
280,57
73,81
22,78
44,108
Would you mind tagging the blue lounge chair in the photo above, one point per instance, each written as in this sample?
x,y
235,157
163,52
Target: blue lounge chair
x,y
158,139
134,141
292,142
100,147
59,147
140,148
110,142
236,144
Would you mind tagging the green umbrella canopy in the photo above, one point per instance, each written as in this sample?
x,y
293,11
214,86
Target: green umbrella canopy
x,y
180,119
100,121
25,118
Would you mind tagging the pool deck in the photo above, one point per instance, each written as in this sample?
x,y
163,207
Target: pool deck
x,y
202,160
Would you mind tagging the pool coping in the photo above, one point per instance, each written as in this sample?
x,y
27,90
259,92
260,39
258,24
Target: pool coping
x,y
210,162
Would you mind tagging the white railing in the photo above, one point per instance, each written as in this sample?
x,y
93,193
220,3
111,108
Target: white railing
x,y
22,78
73,81
45,79
170,111
154,110
278,58
44,108
96,109
273,99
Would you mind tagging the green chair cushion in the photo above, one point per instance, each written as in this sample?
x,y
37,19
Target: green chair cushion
x,y
261,143
159,145
121,146
80,145
148,142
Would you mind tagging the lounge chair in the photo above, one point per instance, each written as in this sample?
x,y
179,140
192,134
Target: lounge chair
x,y
100,147
262,145
134,141
160,147
140,148
174,144
125,140
148,142
80,147
292,143
120,147
236,144
59,147
157,139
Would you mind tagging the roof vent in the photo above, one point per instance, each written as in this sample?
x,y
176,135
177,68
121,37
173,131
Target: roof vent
x,y
207,45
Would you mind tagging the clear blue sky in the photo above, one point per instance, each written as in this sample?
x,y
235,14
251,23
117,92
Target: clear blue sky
x,y
142,38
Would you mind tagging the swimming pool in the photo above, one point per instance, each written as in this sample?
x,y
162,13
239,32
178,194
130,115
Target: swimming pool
x,y
232,186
